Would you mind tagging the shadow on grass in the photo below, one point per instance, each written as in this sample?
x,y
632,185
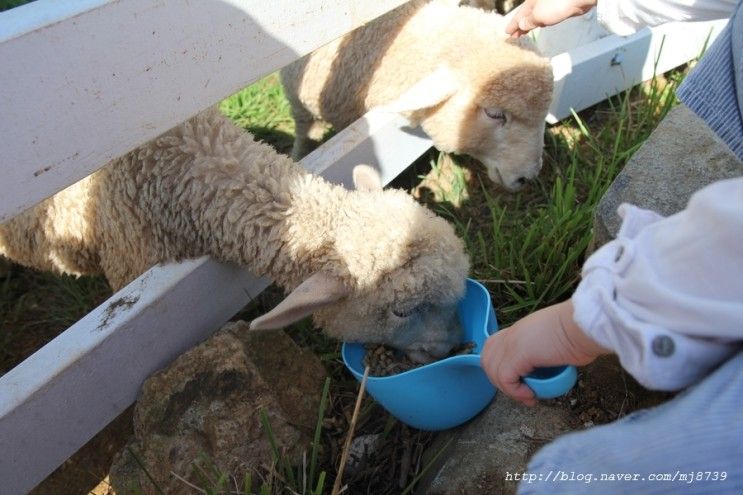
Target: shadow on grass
x,y
36,306
9,4
280,141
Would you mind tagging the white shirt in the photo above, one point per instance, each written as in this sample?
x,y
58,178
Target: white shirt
x,y
624,17
667,294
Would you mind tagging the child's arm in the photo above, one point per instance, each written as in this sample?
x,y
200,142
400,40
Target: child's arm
x,y
548,337
622,17
540,13
666,296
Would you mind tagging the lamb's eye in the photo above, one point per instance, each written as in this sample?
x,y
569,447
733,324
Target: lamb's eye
x,y
496,114
403,313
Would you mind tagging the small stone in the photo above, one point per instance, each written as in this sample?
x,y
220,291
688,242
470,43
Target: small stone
x,y
527,431
476,457
361,450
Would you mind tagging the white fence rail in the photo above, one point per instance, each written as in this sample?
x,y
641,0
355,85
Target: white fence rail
x,y
85,81
588,74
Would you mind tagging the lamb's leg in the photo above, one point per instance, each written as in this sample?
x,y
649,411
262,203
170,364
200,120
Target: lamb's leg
x,y
308,135
304,121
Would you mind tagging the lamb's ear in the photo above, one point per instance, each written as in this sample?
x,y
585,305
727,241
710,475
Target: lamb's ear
x,y
366,178
317,291
433,89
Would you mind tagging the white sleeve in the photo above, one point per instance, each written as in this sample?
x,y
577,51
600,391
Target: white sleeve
x,y
667,294
624,17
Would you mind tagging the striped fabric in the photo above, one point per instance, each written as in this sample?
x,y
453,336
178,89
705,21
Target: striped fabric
x,y
714,89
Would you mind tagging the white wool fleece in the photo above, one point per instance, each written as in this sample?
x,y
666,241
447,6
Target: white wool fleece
x,y
667,294
624,17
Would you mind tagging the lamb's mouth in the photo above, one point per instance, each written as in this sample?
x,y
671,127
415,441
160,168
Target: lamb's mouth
x,y
421,357
429,354
498,177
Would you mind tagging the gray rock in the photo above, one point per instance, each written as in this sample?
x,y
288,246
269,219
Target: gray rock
x,y
681,156
481,453
205,408
484,456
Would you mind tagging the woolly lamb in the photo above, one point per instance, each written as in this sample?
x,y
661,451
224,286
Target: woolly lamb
x,y
483,94
372,265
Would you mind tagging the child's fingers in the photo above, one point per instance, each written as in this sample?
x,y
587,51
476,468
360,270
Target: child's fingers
x,y
511,384
489,359
513,17
525,395
512,26
504,366
527,23
520,25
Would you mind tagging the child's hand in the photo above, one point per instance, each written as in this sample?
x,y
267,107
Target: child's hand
x,y
548,337
539,13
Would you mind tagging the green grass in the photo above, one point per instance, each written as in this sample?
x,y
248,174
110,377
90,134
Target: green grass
x,y
526,247
35,307
9,4
263,110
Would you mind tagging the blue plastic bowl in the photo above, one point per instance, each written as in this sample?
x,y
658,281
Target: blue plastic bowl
x,y
549,383
445,393
451,391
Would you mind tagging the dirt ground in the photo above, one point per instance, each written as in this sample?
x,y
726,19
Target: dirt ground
x,y
605,392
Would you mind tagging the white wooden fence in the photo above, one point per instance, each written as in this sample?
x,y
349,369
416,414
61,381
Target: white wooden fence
x,y
84,81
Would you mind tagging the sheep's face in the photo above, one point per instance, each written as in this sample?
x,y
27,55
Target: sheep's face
x,y
409,269
394,276
501,123
507,143
424,329
409,310
494,115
